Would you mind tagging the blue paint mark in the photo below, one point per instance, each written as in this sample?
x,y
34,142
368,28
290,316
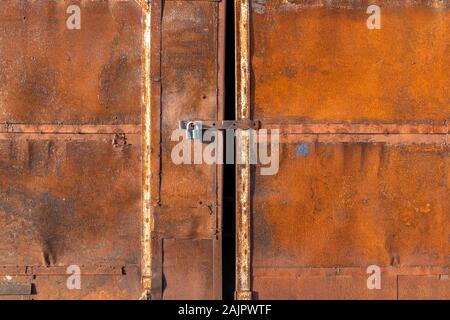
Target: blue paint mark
x,y
303,149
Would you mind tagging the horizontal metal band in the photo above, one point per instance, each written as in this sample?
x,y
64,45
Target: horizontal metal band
x,y
338,128
62,270
116,139
144,3
441,272
391,139
70,129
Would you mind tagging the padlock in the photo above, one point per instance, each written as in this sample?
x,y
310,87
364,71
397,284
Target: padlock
x,y
197,132
194,130
190,126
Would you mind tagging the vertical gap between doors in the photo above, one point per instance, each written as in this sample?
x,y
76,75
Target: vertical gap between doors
x,y
229,180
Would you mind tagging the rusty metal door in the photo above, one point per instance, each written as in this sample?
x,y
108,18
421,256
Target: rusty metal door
x,y
89,94
363,174
182,203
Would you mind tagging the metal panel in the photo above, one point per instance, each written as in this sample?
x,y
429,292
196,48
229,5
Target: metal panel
x,y
363,175
184,277
93,287
69,199
317,61
323,286
374,202
52,75
424,287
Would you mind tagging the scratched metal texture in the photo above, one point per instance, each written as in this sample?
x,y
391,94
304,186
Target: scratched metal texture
x,y
360,181
70,147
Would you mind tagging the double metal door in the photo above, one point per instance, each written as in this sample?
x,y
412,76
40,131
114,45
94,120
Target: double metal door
x,y
93,205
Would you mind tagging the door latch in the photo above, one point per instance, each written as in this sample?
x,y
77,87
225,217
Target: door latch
x,y
194,127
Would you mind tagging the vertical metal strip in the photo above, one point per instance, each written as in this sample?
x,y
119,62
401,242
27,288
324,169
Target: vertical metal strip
x,y
151,148
146,263
243,173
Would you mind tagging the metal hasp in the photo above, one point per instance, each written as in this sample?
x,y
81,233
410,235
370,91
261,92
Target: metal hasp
x,y
243,173
194,127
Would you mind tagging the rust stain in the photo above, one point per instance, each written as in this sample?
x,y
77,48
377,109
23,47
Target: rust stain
x,y
147,217
145,4
243,207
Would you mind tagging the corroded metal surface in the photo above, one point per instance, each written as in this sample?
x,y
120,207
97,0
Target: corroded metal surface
x,y
373,202
93,287
50,211
52,75
321,64
189,278
363,180
51,214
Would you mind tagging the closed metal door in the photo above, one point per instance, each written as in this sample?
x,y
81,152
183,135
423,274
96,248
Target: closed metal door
x,y
184,200
90,92
363,112
70,188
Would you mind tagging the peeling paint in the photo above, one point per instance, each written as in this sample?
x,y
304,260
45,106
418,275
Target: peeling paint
x,y
303,149
243,212
259,6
